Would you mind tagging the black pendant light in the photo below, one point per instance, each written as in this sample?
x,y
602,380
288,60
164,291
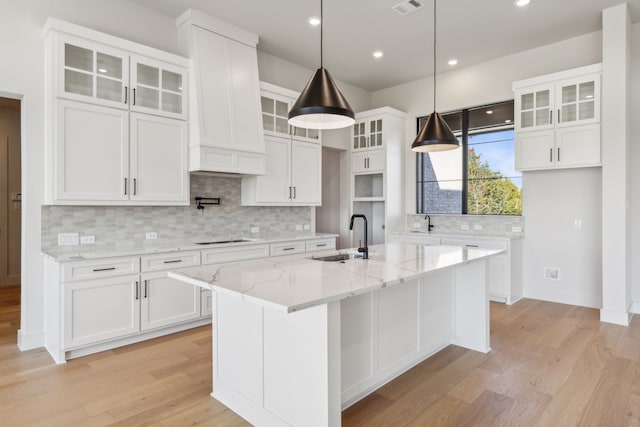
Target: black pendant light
x,y
435,135
321,105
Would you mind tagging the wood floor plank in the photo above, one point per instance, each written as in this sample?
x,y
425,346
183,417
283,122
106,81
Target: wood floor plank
x,y
550,365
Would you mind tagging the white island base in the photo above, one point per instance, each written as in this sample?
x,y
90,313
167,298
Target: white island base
x,y
279,367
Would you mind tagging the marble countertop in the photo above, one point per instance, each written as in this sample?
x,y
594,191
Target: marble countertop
x,y
295,282
77,252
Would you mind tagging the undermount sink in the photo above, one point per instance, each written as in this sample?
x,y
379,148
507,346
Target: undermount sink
x,y
338,257
219,242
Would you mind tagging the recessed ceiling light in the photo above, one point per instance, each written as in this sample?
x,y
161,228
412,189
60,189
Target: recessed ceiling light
x,y
521,3
314,21
489,111
589,96
102,70
453,62
378,54
508,121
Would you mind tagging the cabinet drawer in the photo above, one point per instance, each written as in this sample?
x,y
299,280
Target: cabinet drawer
x,y
234,253
287,248
320,245
169,261
488,244
95,269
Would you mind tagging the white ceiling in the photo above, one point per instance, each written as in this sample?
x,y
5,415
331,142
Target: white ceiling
x,y
472,31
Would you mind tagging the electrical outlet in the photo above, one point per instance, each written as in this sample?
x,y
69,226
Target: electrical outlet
x,y
516,229
85,240
552,273
577,224
68,239
477,227
255,230
417,224
298,227
151,235
464,226
307,227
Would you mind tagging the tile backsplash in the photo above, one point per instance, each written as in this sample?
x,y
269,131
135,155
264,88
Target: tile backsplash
x,y
473,225
113,225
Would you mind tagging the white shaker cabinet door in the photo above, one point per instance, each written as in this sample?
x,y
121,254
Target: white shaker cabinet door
x,y
167,301
159,159
99,310
91,158
275,186
306,172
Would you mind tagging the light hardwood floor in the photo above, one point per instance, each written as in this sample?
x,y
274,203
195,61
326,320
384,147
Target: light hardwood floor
x,y
551,365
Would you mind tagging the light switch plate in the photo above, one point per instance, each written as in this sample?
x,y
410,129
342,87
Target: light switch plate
x,y
464,226
516,229
307,227
151,235
477,227
298,227
255,229
68,239
85,240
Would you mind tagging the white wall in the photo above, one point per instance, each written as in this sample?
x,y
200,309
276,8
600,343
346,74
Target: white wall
x,y
491,82
635,160
286,74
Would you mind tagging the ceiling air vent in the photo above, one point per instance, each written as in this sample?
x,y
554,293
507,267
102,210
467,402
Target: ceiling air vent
x,y
407,7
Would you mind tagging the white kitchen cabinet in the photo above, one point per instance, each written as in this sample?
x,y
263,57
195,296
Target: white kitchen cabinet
x,y
368,161
158,159
96,96
91,162
99,310
293,175
377,158
166,301
226,133
109,156
558,120
368,132
275,102
94,72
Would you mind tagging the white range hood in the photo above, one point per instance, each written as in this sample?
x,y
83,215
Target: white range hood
x,y
225,116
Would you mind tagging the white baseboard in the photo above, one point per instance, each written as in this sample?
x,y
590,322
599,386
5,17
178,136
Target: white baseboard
x,y
615,317
29,341
635,307
583,300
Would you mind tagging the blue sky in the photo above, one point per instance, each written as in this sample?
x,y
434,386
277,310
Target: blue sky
x,y
499,155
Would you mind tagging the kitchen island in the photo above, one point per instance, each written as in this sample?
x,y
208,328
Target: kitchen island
x,y
296,339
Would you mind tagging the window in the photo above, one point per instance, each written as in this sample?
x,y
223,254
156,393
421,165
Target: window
x,y
478,179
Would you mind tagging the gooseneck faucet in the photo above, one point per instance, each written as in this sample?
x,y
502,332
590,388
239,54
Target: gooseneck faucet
x,y
429,225
364,249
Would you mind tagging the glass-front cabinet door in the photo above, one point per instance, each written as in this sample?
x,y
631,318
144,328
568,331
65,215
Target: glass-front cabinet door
x,y
375,133
359,136
91,72
579,101
534,108
158,88
275,115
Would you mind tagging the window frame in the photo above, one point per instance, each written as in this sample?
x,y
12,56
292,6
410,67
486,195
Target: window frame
x,y
464,145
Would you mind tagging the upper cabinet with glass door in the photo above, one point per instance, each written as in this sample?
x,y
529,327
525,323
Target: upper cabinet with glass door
x,y
91,72
158,88
276,103
368,133
562,101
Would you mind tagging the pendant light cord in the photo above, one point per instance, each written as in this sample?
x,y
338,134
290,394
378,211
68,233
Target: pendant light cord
x,y
434,55
321,33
